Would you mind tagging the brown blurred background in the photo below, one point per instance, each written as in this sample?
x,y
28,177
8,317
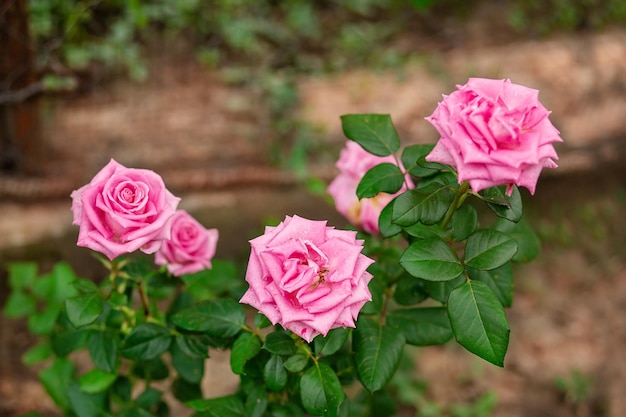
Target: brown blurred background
x,y
236,104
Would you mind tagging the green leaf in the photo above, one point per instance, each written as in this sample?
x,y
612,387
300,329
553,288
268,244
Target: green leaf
x,y
67,341
421,206
83,309
121,390
528,244
499,280
280,343
146,341
85,286
377,353
422,326
423,231
432,260
383,178
228,406
377,289
21,274
440,290
103,348
56,380
19,304
85,404
411,156
96,381
332,342
261,322
274,373
62,276
151,370
297,362
189,368
246,347
42,322
374,132
478,321
117,300
148,398
386,227
409,291
509,208
192,345
186,391
37,354
221,318
488,249
464,222
209,283
257,401
290,409
320,391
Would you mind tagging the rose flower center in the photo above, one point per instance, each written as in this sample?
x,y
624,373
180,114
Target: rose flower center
x,y
492,126
305,272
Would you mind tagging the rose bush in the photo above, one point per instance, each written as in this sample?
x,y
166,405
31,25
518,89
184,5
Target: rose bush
x,y
439,273
307,276
353,163
494,133
122,210
190,248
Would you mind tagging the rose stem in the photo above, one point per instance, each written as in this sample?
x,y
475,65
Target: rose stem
x,y
460,196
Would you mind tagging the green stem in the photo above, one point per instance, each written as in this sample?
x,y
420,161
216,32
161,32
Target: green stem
x,y
461,195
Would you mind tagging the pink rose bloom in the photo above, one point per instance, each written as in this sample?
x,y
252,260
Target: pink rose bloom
x,y
353,163
191,247
307,276
122,210
494,133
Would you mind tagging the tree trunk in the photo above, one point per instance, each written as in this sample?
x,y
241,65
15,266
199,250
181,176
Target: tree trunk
x,y
19,118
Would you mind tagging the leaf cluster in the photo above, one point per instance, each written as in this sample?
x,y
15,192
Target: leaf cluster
x,y
456,276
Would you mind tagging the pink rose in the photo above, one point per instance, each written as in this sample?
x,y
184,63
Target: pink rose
x,y
191,247
494,133
353,163
307,276
122,210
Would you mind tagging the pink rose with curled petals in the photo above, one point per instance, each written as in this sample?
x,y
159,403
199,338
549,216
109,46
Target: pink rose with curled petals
x,y
494,133
307,276
190,248
122,210
353,163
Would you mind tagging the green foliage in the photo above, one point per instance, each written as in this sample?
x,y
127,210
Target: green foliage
x,y
546,16
449,257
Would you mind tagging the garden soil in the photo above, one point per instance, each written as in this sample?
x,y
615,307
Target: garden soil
x,y
210,140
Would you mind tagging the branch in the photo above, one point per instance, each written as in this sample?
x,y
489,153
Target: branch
x,y
21,95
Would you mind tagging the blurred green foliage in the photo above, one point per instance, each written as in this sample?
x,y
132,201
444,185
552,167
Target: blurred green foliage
x,y
542,17
301,35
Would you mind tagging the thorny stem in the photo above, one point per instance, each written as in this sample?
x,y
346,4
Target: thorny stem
x,y
459,198
144,299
